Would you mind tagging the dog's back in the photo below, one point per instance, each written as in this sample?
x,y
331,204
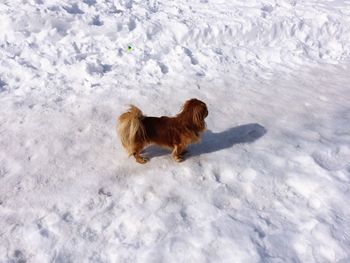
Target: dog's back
x,y
163,130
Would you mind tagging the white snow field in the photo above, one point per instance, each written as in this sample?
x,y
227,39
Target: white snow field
x,y
270,180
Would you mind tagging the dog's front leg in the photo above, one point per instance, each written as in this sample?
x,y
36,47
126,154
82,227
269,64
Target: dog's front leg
x,y
178,152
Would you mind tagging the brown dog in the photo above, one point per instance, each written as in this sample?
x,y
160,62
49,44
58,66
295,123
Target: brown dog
x,y
136,131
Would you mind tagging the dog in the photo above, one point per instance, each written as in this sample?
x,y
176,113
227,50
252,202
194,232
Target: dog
x,y
136,131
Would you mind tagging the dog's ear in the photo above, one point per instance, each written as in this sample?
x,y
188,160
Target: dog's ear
x,y
194,111
199,112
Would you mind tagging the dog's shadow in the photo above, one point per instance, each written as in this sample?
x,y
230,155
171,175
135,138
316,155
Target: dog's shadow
x,y
213,142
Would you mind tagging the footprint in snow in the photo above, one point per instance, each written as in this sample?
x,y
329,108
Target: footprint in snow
x,y
43,231
163,68
128,4
89,2
98,68
188,52
18,257
102,191
265,10
67,217
96,21
2,86
73,9
132,24
89,235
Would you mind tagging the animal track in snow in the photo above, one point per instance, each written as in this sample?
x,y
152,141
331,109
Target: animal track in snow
x,y
188,52
2,85
18,257
42,230
128,4
163,68
96,21
73,9
67,217
98,68
131,24
89,2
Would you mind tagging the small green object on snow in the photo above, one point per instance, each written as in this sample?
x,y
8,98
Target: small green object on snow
x,y
129,48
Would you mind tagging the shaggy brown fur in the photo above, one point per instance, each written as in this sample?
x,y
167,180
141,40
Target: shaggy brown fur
x,y
137,131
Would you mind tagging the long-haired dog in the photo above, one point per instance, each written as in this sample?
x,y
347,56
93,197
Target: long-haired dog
x,y
137,131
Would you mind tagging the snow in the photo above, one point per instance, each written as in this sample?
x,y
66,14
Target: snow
x,y
269,181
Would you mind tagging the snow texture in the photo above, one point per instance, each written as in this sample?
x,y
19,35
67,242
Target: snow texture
x,y
269,181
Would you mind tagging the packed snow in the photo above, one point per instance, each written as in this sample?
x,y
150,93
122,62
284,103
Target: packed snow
x,y
269,181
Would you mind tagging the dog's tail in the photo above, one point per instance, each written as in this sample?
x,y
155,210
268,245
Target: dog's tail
x,y
130,128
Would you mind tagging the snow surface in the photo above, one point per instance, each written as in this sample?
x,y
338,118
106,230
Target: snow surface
x,y
269,181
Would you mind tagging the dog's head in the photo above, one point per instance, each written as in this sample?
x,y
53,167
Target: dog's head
x,y
195,111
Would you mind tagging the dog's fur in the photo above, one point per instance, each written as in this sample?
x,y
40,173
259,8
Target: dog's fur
x,y
137,131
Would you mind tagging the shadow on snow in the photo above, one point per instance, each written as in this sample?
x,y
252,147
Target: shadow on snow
x,y
213,142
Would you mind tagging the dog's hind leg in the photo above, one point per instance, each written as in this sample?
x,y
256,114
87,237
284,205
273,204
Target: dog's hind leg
x,y
138,157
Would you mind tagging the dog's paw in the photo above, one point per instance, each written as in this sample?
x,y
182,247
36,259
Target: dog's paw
x,y
142,160
178,158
